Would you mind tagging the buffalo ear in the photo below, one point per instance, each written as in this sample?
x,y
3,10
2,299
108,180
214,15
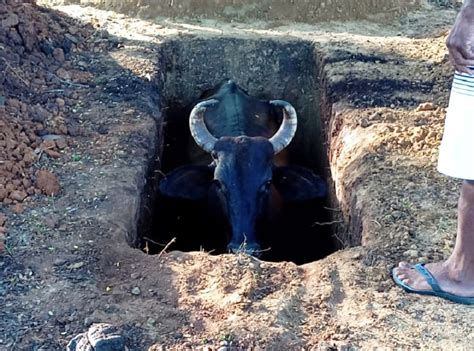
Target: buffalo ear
x,y
188,182
296,183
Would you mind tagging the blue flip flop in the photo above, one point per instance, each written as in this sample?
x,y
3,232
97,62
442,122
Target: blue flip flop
x,y
435,288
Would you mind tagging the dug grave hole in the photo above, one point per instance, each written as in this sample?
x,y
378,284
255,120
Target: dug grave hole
x,y
267,69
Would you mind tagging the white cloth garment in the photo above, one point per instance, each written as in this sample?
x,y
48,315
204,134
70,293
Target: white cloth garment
x,y
456,154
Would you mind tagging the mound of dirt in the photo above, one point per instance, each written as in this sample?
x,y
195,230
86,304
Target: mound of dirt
x,y
36,51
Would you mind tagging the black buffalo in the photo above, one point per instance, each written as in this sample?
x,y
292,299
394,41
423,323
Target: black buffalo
x,y
242,135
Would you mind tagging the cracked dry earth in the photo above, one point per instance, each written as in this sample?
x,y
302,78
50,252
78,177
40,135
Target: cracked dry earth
x,y
65,263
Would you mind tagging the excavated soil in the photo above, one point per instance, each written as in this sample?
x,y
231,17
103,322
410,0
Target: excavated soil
x,y
242,10
80,117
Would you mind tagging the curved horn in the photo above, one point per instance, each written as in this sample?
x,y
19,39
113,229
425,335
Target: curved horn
x,y
199,131
287,130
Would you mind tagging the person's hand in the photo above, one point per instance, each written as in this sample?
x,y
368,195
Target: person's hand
x,y
460,41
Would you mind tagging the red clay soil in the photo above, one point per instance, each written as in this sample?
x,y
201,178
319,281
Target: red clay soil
x,y
36,47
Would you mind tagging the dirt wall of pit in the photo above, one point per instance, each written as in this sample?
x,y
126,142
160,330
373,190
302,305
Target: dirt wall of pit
x,y
241,10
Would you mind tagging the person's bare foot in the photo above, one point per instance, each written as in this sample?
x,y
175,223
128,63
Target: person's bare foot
x,y
454,281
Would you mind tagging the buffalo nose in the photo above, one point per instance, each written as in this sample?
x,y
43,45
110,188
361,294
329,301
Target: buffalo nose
x,y
252,249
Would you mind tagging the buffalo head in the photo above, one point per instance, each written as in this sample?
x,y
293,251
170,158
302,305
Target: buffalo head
x,y
242,173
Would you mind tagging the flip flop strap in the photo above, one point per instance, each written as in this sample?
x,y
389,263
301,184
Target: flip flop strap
x,y
428,277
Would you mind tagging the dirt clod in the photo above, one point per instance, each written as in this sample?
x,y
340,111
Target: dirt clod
x,y
61,143
10,21
47,182
58,54
18,195
18,208
3,219
426,106
99,337
63,74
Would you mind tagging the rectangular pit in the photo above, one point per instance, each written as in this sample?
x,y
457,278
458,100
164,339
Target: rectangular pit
x,y
267,69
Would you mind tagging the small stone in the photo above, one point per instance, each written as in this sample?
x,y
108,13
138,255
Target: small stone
x,y
63,74
411,253
2,239
71,38
105,337
427,106
18,195
135,275
48,137
47,182
136,291
29,157
10,21
40,114
423,259
3,194
52,153
27,33
3,219
60,102
76,265
63,129
15,103
59,261
364,123
61,143
58,54
18,208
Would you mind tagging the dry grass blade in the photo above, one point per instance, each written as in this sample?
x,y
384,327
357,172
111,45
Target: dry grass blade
x,y
15,72
172,241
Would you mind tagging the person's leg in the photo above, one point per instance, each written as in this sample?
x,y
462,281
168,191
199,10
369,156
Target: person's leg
x,y
456,274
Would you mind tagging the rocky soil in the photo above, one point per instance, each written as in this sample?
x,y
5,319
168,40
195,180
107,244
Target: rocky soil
x,y
78,115
35,98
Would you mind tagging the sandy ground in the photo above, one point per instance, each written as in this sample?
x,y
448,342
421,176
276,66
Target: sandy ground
x,y
66,264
